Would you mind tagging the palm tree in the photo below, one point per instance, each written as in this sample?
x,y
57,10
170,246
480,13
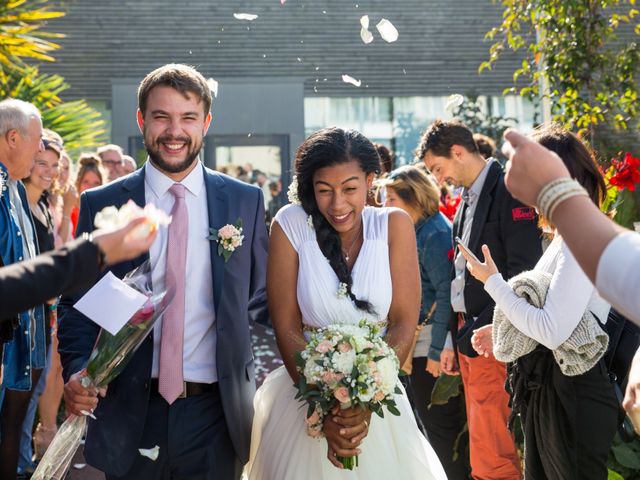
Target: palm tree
x,y
20,35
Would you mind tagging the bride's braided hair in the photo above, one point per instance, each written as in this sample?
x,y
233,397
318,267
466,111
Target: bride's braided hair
x,y
324,148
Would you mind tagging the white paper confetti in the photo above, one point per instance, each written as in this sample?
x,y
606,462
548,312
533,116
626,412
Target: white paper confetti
x,y
351,80
245,16
454,101
79,466
365,34
282,2
213,86
151,453
387,31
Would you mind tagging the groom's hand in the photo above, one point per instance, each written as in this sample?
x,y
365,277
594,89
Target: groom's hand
x,y
77,398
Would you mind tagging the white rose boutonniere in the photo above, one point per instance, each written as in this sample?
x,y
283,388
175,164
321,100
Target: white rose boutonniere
x,y
228,238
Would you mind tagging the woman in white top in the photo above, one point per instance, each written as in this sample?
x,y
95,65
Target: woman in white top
x,y
569,421
329,241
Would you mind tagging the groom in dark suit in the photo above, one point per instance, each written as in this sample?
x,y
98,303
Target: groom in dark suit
x,y
190,386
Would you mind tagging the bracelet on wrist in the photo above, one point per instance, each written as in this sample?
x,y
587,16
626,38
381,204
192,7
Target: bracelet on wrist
x,y
102,256
556,192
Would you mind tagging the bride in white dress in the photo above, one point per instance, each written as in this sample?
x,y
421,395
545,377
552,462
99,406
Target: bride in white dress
x,y
332,238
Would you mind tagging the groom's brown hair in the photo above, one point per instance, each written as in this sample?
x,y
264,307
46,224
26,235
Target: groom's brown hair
x,y
183,78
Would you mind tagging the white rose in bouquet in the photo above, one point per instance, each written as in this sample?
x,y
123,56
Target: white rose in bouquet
x,y
113,218
388,374
343,361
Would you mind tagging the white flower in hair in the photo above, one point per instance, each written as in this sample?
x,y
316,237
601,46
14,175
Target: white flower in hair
x,y
342,290
292,192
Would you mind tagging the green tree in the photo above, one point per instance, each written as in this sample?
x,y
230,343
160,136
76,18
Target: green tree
x,y
78,124
471,113
20,35
22,40
584,50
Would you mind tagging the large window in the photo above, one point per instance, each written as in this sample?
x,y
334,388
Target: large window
x,y
398,122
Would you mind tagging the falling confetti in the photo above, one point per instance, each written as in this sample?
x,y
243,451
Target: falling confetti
x,y
245,16
365,34
315,89
351,80
387,31
282,2
454,101
404,71
151,453
79,466
213,86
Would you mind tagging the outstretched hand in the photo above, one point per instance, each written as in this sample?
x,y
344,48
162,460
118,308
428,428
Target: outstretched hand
x,y
125,243
530,167
481,271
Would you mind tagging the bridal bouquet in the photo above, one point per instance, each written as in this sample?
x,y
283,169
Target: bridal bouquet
x,y
109,357
346,365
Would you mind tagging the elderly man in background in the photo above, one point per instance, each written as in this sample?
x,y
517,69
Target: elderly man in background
x,y
112,158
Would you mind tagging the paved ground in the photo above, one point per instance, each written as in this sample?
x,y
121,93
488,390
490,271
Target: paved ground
x,y
267,358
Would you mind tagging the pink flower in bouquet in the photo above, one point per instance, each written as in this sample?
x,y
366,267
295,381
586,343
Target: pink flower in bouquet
x,y
313,419
378,396
344,347
331,377
342,394
144,314
227,232
324,346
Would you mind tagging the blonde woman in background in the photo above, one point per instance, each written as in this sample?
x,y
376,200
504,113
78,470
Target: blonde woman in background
x,y
90,175
63,198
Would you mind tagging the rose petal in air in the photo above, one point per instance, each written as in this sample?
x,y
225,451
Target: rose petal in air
x,y
365,34
213,86
454,101
151,453
245,16
79,466
387,31
351,80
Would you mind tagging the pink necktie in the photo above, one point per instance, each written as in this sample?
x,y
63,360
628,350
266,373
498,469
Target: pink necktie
x,y
172,340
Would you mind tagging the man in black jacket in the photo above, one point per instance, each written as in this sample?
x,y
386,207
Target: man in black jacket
x,y
487,215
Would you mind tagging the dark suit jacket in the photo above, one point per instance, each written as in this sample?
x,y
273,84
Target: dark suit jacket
x,y
113,439
510,230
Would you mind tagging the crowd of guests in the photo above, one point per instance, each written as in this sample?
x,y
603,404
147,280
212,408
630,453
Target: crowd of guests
x,y
456,190
32,375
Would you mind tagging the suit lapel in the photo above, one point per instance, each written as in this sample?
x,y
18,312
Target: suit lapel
x,y
133,189
218,206
484,202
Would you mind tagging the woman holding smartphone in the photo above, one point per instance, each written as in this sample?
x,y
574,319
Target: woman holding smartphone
x,y
569,421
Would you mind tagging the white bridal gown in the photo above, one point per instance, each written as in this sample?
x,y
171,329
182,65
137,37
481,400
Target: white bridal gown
x,y
280,446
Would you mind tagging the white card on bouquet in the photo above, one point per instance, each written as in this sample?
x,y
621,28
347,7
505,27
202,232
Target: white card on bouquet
x,y
110,303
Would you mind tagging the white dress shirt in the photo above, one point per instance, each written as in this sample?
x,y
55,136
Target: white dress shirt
x,y
199,352
618,274
470,196
569,295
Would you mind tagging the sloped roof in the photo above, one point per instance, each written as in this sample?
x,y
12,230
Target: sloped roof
x,y
438,51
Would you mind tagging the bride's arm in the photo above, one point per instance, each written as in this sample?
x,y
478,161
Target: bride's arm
x,y
405,279
282,278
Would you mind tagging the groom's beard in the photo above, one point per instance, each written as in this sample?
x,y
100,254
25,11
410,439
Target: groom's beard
x,y
155,153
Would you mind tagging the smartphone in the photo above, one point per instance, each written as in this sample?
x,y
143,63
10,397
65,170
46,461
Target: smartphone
x,y
466,249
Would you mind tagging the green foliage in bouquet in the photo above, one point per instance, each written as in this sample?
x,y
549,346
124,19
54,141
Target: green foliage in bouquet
x,y
112,352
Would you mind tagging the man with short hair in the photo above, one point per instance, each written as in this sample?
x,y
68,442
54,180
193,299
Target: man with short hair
x,y
112,158
487,215
128,165
189,388
24,351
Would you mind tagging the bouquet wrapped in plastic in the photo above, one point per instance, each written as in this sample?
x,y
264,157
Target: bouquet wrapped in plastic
x,y
109,357
346,365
